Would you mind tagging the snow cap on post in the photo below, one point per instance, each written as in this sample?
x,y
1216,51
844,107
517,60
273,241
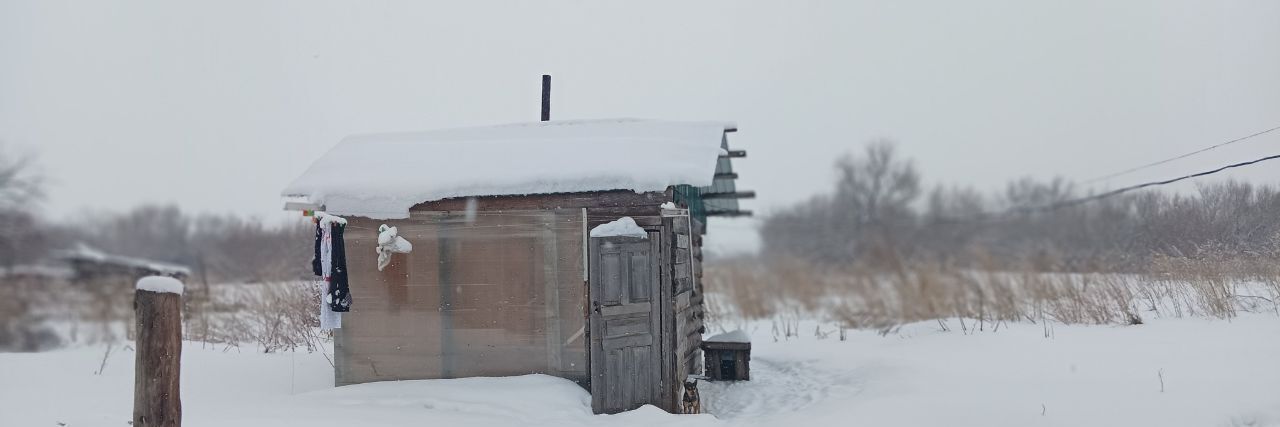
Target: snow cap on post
x,y
160,284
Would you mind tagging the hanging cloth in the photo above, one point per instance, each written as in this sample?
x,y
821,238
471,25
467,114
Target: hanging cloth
x,y
317,266
389,242
339,293
330,264
321,265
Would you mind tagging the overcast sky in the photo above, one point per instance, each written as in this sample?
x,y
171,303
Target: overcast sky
x,y
216,106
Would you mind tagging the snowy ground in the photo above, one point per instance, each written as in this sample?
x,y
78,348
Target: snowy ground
x,y
1215,373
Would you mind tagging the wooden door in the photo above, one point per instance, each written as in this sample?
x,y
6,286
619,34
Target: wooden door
x,y
626,362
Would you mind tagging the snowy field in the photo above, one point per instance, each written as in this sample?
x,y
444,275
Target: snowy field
x,y
1168,372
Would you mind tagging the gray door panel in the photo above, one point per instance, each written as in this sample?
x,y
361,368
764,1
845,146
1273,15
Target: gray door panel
x,y
625,358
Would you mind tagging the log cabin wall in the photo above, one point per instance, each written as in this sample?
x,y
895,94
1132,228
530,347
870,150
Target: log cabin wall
x,y
685,244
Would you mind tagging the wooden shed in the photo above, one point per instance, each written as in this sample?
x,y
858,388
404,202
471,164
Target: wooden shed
x,y
89,265
728,357
505,277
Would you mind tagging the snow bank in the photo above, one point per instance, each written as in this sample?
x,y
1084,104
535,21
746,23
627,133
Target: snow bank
x,y
624,226
160,284
381,176
249,388
1215,373
1167,372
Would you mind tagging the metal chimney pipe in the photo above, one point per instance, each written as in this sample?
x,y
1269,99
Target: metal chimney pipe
x,y
546,97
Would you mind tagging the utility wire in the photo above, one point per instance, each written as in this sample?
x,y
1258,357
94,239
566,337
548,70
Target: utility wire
x,y
1082,200
1072,202
1183,156
980,218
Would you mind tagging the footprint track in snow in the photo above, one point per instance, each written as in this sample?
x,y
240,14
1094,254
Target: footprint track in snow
x,y
775,387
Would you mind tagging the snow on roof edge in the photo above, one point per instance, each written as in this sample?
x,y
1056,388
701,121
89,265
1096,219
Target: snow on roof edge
x,y
737,336
83,251
382,176
621,227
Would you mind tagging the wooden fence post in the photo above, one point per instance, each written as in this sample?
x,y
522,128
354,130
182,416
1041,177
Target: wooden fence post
x,y
158,309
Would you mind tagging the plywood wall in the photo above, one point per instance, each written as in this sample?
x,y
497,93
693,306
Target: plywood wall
x,y
491,294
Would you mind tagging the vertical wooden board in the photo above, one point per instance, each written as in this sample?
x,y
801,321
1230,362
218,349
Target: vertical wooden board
x,y
611,268
613,380
549,260
595,354
640,282
671,364
641,389
341,362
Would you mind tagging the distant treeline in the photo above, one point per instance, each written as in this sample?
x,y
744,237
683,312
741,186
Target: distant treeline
x,y
880,214
217,247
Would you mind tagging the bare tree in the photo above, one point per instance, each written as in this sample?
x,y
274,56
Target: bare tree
x,y
871,218
871,208
21,186
217,247
876,187
20,183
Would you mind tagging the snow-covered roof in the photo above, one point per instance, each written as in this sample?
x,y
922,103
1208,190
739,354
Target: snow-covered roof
x,y
37,270
738,336
381,176
87,253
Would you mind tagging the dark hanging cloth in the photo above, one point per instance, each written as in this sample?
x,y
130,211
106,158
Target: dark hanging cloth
x,y
316,266
339,294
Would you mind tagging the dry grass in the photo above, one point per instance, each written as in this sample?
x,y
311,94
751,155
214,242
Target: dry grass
x,y
274,316
23,325
982,299
269,316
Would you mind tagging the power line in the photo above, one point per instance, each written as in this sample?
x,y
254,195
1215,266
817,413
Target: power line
x,y
1183,156
1072,202
1081,200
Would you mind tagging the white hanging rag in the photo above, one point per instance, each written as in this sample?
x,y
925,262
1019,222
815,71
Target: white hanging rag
x,y
329,319
390,242
326,250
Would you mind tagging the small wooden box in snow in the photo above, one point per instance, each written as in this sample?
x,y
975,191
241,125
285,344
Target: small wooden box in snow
x,y
728,356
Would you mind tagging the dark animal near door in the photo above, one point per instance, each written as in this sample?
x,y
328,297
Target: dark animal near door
x,y
691,403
